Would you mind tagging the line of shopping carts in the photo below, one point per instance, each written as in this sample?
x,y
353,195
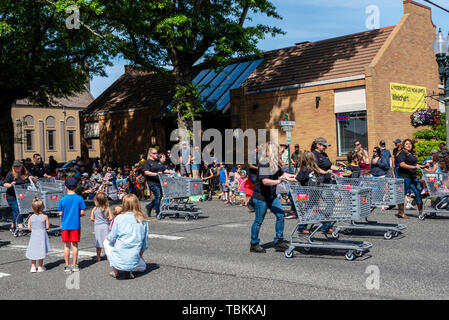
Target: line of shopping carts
x,y
342,205
48,190
437,185
176,192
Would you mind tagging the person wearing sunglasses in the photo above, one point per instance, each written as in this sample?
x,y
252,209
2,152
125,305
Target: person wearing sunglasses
x,y
152,169
379,164
363,155
36,169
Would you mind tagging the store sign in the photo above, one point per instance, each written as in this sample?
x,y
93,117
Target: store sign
x,y
346,117
406,98
91,130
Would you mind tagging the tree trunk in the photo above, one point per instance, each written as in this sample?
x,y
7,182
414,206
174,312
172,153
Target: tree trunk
x,y
183,77
6,136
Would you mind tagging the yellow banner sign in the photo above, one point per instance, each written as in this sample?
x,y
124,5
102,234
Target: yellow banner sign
x,y
405,98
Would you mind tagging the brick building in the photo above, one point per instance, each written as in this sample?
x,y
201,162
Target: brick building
x,y
321,83
336,88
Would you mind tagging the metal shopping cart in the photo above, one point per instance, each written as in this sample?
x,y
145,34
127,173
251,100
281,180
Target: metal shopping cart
x,y
437,185
25,194
3,207
176,192
328,203
385,192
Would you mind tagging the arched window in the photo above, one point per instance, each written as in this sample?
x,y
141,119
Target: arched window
x,y
28,121
50,121
71,122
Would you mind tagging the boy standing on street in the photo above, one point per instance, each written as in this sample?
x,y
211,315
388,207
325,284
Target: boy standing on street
x,y
71,207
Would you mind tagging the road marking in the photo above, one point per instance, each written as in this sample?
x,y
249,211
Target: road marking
x,y
164,237
4,275
233,225
55,252
176,222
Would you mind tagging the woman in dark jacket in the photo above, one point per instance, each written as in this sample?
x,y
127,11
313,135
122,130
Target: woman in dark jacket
x,y
408,163
18,175
379,165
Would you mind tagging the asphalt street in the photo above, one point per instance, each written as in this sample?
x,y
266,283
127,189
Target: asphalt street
x,y
209,258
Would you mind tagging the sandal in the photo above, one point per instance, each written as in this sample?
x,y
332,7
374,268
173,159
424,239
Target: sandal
x,y
131,275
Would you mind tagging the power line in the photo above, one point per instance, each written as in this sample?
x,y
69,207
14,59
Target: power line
x,y
436,5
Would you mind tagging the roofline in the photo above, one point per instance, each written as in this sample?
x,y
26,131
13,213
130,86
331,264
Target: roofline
x,y
35,106
308,84
329,39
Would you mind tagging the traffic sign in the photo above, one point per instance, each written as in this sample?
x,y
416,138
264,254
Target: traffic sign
x,y
287,123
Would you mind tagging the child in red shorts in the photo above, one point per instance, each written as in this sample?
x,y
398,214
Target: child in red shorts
x,y
71,207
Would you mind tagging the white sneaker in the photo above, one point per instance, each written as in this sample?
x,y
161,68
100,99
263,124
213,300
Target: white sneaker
x,y
409,206
41,269
33,270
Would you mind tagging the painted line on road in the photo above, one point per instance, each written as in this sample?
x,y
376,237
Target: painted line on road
x,y
176,222
164,237
233,225
2,275
55,252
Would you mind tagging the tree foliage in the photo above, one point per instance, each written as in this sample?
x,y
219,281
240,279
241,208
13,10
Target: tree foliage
x,y
41,59
430,138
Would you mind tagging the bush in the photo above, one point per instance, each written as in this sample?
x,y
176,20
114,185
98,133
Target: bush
x,y
424,148
436,132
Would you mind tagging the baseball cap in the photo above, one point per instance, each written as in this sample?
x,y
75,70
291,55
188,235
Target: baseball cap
x,y
397,141
434,151
85,174
296,145
322,141
341,163
70,183
17,163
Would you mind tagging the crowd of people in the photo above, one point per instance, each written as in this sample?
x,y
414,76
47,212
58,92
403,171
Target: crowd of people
x,y
122,232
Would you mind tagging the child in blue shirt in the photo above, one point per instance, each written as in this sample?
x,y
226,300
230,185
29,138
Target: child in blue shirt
x,y
71,207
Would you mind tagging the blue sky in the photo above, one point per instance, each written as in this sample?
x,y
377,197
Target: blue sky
x,y
312,20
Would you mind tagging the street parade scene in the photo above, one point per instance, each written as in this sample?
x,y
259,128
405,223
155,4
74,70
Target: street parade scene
x,y
223,150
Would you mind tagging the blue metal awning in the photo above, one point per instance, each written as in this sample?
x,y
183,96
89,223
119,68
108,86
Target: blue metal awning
x,y
215,85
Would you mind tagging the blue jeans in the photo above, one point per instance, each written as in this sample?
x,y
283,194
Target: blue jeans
x,y
156,203
260,208
396,171
414,186
16,216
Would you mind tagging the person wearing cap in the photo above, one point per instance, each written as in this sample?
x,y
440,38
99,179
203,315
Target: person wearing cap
x,y
397,144
387,155
318,148
152,169
17,176
95,175
71,207
295,158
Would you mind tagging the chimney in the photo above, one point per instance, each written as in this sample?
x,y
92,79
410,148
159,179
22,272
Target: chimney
x,y
412,7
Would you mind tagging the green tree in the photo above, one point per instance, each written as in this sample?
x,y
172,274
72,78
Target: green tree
x,y
174,35
42,60
430,138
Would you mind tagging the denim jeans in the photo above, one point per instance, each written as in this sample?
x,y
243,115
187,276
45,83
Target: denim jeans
x,y
156,203
414,186
15,212
260,208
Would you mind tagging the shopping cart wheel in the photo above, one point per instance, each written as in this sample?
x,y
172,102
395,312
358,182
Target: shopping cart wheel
x,y
307,249
348,231
388,235
396,233
359,253
335,234
187,217
350,255
195,217
421,217
288,253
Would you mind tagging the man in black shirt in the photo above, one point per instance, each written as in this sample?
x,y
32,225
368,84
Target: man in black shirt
x,y
53,165
397,143
152,169
36,169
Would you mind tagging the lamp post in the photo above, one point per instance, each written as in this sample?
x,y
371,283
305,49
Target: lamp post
x,y
440,47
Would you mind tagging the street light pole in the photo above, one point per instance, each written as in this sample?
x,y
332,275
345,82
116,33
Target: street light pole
x,y
440,47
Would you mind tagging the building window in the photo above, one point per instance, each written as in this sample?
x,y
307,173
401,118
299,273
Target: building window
x,y
51,140
28,121
29,140
50,122
351,126
90,144
71,139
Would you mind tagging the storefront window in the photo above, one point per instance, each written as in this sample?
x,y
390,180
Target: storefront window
x,y
351,126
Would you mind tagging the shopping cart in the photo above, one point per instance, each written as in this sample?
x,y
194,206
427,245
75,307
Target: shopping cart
x,y
438,186
25,193
3,207
328,203
385,192
176,192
